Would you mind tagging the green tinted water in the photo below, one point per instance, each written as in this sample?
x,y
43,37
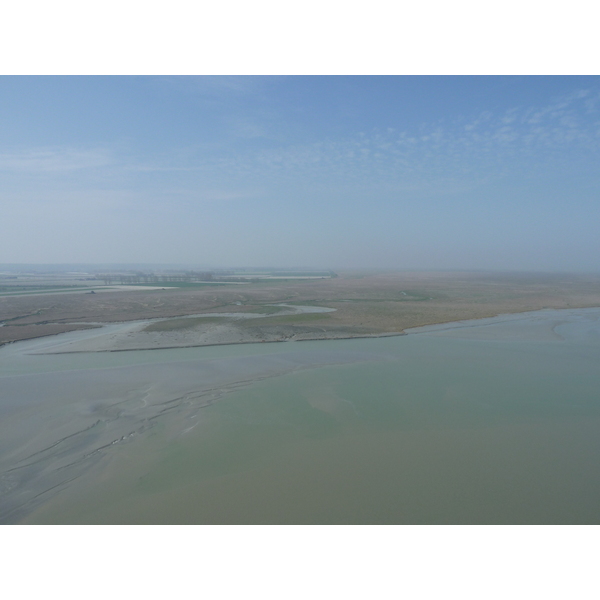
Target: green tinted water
x,y
497,423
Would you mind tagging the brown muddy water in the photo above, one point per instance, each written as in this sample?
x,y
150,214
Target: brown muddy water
x,y
491,421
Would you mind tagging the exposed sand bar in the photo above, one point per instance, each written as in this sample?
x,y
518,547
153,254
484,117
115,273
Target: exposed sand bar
x,y
191,331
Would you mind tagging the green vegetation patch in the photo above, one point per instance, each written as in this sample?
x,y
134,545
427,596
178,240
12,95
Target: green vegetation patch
x,y
7,290
30,288
176,284
409,297
178,324
300,274
286,320
266,310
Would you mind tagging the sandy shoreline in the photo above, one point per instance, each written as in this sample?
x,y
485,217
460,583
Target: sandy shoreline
x,y
307,339
132,336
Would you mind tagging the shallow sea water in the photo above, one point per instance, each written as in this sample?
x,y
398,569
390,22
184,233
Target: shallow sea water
x,y
489,421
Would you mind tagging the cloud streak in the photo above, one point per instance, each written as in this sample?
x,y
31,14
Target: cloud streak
x,y
443,157
490,143
54,160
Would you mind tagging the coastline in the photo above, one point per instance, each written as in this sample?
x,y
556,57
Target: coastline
x,y
306,339
220,335
358,305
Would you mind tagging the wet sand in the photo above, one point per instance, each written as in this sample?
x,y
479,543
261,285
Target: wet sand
x,y
212,329
58,425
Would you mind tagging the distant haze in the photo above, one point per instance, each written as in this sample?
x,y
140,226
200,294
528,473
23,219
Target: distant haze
x,y
323,172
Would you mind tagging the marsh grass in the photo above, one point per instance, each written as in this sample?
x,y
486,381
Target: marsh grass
x,y
265,310
179,324
286,320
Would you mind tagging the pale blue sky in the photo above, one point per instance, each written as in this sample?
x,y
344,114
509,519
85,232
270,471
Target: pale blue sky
x,y
332,172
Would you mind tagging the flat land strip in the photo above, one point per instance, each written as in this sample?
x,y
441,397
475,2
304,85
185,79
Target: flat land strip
x,y
365,303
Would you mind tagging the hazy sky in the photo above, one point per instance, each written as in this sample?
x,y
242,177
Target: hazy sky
x,y
331,172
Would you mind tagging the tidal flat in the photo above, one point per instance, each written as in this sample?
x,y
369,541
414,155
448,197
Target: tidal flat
x,y
488,421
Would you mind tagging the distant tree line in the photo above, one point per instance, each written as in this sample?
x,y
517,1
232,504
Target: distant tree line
x,y
154,279
151,278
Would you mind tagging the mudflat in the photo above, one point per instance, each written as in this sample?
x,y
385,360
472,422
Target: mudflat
x,y
364,304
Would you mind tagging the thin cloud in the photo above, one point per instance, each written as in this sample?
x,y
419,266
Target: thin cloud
x,y
489,145
489,139
53,160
